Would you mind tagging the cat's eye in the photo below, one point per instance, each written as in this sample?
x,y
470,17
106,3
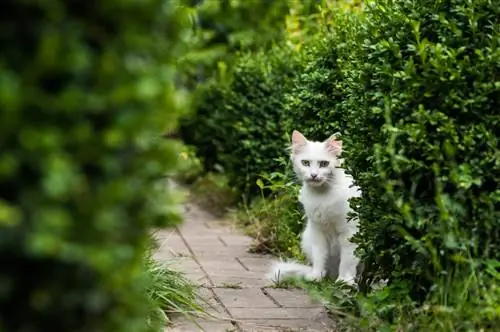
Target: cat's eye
x,y
324,163
305,162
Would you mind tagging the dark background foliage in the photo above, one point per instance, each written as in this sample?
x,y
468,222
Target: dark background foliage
x,y
241,125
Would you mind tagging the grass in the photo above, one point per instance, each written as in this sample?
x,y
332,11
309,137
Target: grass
x,y
272,224
169,293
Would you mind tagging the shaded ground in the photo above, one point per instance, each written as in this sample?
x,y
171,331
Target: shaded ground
x,y
215,257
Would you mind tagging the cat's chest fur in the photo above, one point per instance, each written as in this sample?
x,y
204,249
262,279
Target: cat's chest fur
x,y
327,208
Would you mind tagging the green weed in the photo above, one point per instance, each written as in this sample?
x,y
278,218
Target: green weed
x,y
169,293
274,222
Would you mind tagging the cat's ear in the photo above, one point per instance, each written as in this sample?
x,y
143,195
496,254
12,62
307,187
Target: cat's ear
x,y
298,141
333,145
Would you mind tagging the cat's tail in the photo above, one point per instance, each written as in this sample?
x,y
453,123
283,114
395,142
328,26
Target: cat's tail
x,y
284,270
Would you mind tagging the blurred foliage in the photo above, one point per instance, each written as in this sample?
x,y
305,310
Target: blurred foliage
x,y
222,28
86,90
312,102
309,19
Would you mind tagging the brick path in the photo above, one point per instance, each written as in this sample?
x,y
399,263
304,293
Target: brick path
x,y
231,280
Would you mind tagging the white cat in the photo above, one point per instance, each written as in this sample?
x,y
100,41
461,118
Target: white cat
x,y
324,194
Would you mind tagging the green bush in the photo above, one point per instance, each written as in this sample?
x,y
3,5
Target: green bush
x,y
422,109
240,125
85,92
312,103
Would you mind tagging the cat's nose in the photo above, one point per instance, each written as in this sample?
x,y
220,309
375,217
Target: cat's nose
x,y
314,176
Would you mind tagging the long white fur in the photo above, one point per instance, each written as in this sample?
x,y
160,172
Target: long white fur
x,y
326,237
289,269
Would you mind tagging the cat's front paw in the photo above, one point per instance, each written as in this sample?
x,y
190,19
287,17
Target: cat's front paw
x,y
348,280
314,276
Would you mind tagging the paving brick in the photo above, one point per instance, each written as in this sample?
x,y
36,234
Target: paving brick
x,y
208,252
257,264
186,232
161,234
185,264
220,231
243,274
213,309
193,214
258,256
293,298
222,227
165,255
174,241
213,312
226,281
193,230
235,239
218,266
206,245
221,251
244,298
277,313
198,279
202,326
282,325
209,302
238,250
204,239
194,218
172,247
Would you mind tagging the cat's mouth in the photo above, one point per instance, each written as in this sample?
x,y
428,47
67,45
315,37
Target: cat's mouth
x,y
314,181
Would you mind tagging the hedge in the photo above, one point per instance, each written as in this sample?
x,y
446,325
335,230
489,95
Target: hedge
x,y
313,100
412,88
240,124
422,113
85,87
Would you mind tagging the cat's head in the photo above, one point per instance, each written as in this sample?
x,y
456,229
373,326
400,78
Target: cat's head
x,y
315,162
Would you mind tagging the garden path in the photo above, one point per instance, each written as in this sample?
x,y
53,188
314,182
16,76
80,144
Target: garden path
x,y
215,256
